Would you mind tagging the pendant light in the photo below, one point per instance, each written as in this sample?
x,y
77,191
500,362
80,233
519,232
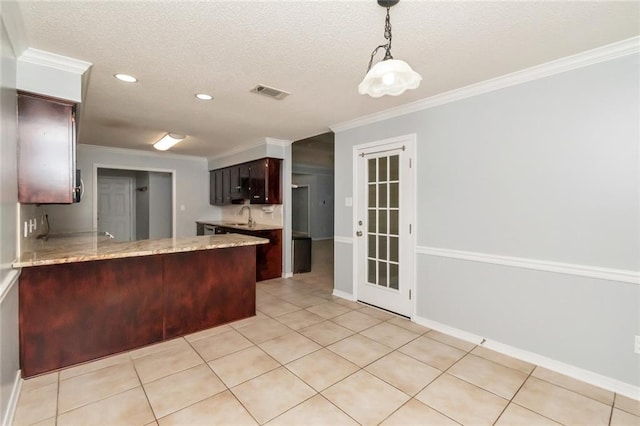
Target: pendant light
x,y
389,76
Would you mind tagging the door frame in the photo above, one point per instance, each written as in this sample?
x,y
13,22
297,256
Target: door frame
x,y
138,169
410,141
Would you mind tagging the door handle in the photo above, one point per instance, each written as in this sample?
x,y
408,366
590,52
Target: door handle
x,y
359,233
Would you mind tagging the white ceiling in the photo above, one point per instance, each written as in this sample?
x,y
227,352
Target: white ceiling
x,y
316,50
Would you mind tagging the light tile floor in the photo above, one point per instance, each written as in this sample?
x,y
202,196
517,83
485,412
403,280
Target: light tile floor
x,y
310,358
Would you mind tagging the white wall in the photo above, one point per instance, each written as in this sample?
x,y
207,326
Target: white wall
x,y
192,186
545,170
9,363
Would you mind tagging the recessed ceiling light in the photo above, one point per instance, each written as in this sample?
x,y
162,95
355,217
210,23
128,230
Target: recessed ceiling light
x,y
204,96
126,78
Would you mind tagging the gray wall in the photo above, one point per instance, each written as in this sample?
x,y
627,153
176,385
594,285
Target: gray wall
x,y
321,201
544,170
192,186
8,200
159,205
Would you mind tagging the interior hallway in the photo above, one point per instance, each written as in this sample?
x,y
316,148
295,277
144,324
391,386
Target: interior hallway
x,y
311,358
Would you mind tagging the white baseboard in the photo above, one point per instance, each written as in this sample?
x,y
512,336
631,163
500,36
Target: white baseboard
x,y
8,282
287,274
343,295
343,240
13,401
586,376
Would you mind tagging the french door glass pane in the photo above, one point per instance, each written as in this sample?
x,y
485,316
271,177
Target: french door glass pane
x,y
371,271
382,221
394,168
372,220
372,170
382,169
382,274
372,196
372,245
393,249
394,196
382,248
382,202
393,222
393,276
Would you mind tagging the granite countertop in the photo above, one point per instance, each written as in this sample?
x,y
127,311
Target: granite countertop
x,y
237,225
84,248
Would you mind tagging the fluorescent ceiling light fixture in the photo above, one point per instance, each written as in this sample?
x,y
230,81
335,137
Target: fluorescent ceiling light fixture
x,y
203,96
126,78
169,140
389,76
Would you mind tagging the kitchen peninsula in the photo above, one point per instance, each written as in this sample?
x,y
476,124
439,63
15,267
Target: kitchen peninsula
x,y
85,297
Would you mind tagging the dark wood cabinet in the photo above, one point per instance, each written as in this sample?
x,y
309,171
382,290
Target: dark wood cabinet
x,y
46,150
268,256
219,187
258,181
264,181
76,312
239,178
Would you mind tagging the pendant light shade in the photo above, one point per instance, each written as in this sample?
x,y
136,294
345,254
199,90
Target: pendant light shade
x,y
390,77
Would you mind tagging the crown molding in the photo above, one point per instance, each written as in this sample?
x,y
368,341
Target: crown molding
x,y
238,150
52,60
277,142
126,151
590,57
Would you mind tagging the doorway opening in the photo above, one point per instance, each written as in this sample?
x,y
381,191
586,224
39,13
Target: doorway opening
x,y
312,178
134,204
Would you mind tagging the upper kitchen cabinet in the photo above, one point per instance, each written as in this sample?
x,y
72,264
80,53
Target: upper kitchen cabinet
x,y
46,150
257,181
219,187
264,181
239,178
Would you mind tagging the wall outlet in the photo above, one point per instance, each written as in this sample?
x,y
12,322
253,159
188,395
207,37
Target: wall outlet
x,y
636,347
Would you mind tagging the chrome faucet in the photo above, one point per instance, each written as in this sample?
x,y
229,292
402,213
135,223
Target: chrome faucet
x,y
250,222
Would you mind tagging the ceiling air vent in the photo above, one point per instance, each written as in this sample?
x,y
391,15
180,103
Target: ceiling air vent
x,y
270,92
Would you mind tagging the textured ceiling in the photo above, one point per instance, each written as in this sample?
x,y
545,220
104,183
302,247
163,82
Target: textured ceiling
x,y
316,50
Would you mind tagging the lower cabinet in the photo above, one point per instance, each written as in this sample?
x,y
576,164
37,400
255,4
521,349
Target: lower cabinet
x,y
268,256
77,312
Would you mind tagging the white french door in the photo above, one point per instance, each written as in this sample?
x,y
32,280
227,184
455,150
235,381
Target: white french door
x,y
384,209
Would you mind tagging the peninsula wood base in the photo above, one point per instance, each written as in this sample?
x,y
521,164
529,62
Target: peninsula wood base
x,y
76,312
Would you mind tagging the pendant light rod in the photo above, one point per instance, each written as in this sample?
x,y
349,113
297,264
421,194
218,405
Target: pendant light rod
x,y
387,36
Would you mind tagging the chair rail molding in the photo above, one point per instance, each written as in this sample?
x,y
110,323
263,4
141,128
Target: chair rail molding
x,y
625,276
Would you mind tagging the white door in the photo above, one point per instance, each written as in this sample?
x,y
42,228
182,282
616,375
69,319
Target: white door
x,y
114,206
384,221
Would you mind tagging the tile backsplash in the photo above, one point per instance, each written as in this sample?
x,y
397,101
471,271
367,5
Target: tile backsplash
x,y
260,213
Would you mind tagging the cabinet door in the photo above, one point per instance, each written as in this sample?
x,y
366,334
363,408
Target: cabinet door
x,y
265,181
212,187
219,187
239,182
46,150
226,186
257,179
